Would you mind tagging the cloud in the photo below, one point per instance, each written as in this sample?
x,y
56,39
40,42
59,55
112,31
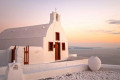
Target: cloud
x,y
114,21
106,31
116,33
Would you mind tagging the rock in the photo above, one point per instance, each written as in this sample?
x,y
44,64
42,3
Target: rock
x,y
94,63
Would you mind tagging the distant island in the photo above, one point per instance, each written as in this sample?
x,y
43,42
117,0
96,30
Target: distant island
x,y
76,47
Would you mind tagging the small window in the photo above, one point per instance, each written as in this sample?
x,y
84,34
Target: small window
x,y
63,46
57,36
50,46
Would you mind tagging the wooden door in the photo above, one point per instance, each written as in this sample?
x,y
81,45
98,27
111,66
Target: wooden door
x,y
13,54
57,51
26,55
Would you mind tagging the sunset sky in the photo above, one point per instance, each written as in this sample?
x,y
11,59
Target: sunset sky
x,y
87,23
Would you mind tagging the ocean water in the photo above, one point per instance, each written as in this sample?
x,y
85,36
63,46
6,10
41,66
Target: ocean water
x,y
107,55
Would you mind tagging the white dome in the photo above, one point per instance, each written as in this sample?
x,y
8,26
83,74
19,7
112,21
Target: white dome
x,y
94,63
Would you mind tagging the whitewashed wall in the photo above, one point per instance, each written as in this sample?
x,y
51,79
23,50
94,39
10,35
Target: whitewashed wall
x,y
47,66
4,57
35,72
37,37
50,37
36,55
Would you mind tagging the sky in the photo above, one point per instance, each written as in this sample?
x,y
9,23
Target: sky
x,y
87,23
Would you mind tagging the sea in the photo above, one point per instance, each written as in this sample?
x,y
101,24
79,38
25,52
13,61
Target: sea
x,y
107,55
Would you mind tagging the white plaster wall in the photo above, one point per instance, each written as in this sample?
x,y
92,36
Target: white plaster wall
x,y
3,70
37,36
55,72
4,57
20,54
110,66
34,72
46,66
50,37
36,55
3,73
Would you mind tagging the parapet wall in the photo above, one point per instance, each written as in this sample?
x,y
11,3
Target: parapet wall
x,y
61,68
38,71
110,66
46,66
34,72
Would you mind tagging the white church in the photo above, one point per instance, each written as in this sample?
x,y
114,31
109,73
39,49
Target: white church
x,y
34,44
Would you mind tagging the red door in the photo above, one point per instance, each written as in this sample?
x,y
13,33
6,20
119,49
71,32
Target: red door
x,y
57,51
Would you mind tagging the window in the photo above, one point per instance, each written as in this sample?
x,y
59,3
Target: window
x,y
57,36
63,46
50,46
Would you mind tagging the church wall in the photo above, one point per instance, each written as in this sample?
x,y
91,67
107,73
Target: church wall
x,y
38,43
4,57
35,55
64,53
49,55
20,54
50,37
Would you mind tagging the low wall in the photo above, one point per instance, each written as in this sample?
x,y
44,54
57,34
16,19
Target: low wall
x,y
55,72
44,66
2,70
2,73
4,58
110,66
55,69
38,71
34,72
